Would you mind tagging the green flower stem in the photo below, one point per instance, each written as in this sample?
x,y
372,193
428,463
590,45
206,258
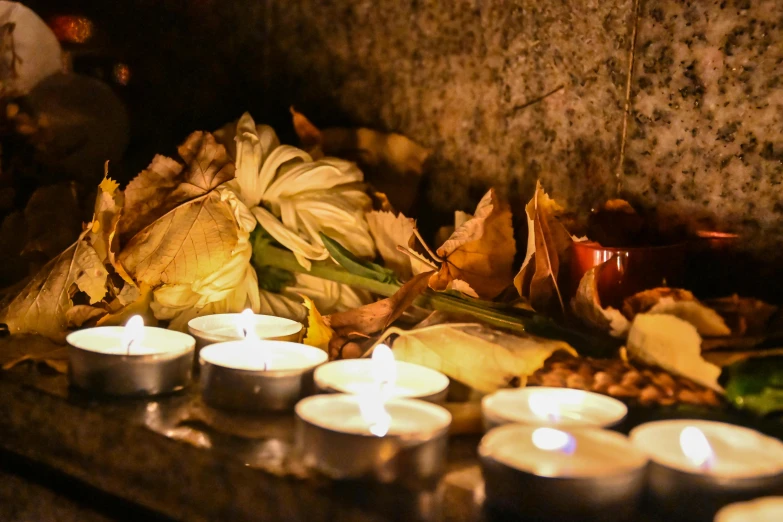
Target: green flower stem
x,y
513,319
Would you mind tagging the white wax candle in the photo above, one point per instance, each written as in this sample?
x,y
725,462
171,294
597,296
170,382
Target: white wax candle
x,y
737,452
228,327
548,452
561,407
111,340
767,509
342,413
262,355
355,376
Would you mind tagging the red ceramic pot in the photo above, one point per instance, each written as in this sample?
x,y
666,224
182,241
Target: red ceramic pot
x,y
628,270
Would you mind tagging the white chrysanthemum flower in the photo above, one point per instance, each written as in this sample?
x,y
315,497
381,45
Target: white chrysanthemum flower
x,y
294,197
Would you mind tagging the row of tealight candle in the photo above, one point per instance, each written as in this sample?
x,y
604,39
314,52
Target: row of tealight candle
x,y
547,456
379,419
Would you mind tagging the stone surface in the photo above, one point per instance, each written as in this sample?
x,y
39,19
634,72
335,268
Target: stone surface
x,y
503,91
705,137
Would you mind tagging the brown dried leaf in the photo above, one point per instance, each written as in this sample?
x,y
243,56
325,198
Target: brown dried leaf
x,y
480,252
586,305
548,248
374,317
744,315
679,303
77,316
166,183
106,217
42,304
188,243
366,146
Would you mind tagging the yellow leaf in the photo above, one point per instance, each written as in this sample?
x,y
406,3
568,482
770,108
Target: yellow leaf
x,y
477,356
674,345
480,252
139,306
318,331
42,304
188,243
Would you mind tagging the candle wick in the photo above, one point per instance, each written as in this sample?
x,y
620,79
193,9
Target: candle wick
x,y
128,346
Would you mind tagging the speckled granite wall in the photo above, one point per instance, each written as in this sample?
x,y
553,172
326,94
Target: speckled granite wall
x,y
705,137
503,91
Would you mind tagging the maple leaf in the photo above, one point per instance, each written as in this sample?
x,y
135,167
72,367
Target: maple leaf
x,y
480,252
548,247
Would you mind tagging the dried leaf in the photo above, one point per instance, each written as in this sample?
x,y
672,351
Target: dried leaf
x,y
548,247
165,184
318,331
38,349
480,252
744,315
142,298
682,304
586,305
106,217
477,356
377,316
368,147
78,315
389,232
42,304
462,286
674,345
188,243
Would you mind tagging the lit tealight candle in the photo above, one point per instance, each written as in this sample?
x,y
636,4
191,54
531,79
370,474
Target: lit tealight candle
x,y
560,407
220,328
706,465
397,379
545,473
767,509
352,437
256,375
130,360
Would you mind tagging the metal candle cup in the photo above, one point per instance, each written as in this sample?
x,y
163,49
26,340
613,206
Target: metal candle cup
x,y
555,407
725,464
767,509
258,375
542,473
335,438
99,362
221,328
354,376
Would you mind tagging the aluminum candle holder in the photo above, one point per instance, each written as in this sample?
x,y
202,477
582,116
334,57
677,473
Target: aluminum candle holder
x,y
556,407
99,362
334,438
541,473
259,375
726,464
355,376
221,328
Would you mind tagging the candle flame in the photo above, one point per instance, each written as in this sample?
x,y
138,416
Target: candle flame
x,y
696,447
549,439
246,325
384,368
544,407
133,334
375,415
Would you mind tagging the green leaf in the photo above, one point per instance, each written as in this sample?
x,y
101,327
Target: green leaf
x,y
755,384
355,265
274,279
